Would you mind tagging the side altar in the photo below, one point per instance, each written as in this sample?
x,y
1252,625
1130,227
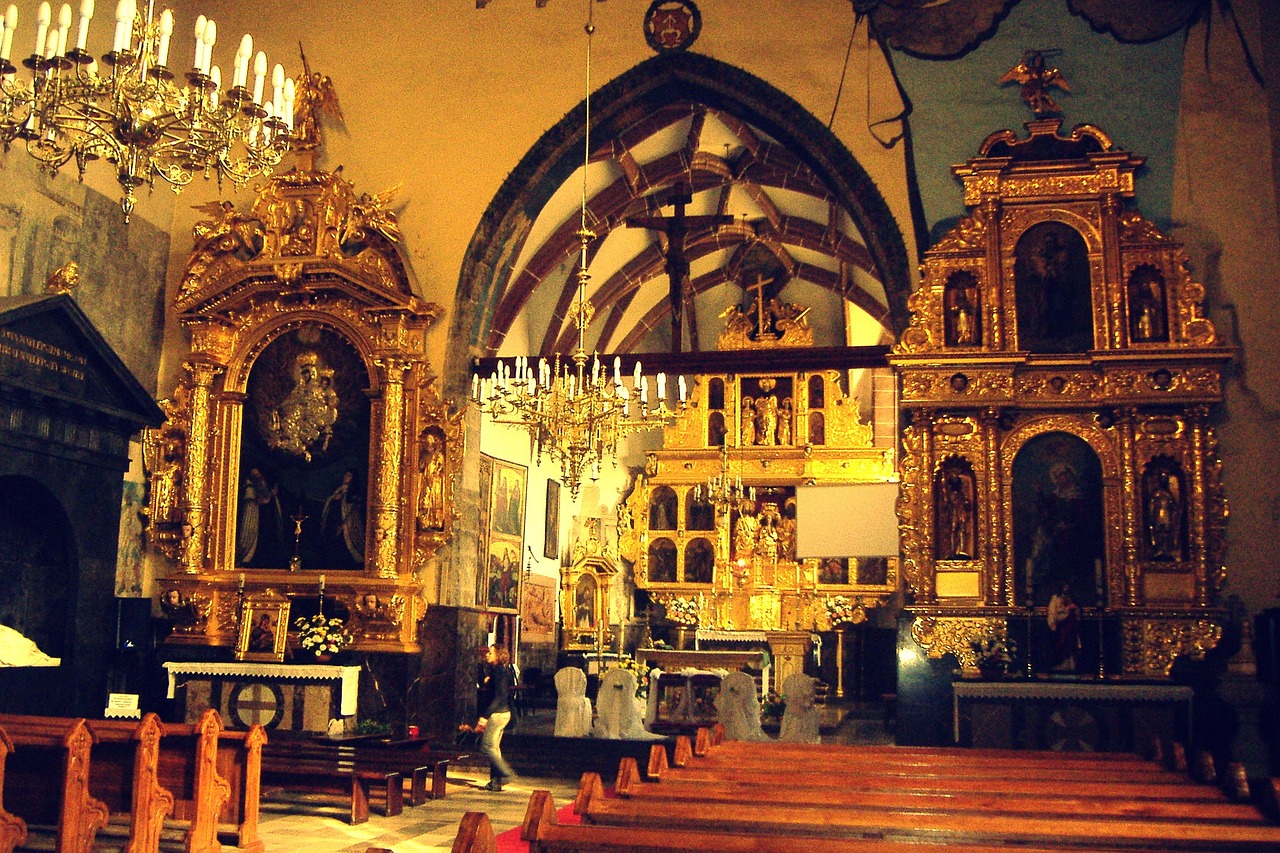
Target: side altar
x,y
1059,466
297,697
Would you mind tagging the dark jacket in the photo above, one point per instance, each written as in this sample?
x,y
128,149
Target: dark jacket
x,y
495,691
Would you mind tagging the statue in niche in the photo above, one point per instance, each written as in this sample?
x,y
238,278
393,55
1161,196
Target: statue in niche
x,y
302,425
955,514
662,561
431,470
699,561
662,509
260,524
163,452
744,531
787,531
1163,507
1147,307
767,536
748,421
784,422
342,522
767,420
716,430
817,428
297,233
961,311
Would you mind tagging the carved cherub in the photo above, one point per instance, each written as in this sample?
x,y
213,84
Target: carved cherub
x,y
1034,78
63,279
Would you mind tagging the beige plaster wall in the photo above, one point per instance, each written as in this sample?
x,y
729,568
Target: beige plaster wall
x,y
1225,206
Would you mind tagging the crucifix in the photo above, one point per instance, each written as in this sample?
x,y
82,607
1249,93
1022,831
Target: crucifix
x,y
677,228
762,320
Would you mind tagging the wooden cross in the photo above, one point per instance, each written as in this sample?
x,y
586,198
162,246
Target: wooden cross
x,y
676,227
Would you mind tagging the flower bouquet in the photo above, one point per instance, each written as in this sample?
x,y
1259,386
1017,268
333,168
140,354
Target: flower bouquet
x,y
683,611
322,635
992,653
842,611
773,705
640,671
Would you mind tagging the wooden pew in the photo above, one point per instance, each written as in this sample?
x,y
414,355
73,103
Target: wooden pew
x,y
209,777
47,779
426,770
13,829
125,776
327,773
1048,803
545,835
909,821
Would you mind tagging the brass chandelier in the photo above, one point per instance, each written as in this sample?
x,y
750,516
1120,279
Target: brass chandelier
x,y
724,490
576,413
133,111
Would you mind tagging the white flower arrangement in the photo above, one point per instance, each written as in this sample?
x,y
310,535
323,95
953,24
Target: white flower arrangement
x,y
842,611
992,651
322,635
682,611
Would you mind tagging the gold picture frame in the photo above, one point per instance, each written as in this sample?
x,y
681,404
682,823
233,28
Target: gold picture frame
x,y
264,629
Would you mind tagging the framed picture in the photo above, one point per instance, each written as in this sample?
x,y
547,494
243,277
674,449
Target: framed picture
x,y
551,538
538,611
264,629
507,499
503,571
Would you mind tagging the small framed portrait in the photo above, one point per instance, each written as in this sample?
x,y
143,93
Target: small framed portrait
x,y
264,630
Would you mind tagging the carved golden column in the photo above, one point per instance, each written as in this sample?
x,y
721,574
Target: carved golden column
x,y
1130,533
196,495
1115,308
384,509
995,338
1197,416
999,569
928,579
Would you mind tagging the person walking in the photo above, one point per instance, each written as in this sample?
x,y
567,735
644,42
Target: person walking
x,y
495,713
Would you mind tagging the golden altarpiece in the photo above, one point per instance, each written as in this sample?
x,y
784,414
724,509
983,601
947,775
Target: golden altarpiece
x,y
307,452
710,523
1056,380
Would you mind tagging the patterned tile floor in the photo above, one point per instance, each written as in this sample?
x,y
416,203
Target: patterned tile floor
x,y
433,825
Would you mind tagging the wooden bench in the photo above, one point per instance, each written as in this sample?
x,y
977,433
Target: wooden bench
x,y
424,767
545,834
46,780
13,829
146,772
901,818
326,772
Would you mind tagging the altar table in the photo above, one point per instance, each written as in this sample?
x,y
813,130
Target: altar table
x,y
301,697
1088,715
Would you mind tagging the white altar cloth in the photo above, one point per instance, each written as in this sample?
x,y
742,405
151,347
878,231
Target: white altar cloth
x,y
349,676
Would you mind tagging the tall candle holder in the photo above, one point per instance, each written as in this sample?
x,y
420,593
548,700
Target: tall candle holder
x,y
1031,612
1100,579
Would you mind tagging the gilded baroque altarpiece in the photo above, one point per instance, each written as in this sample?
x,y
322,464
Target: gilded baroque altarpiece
x,y
762,435
1057,377
307,450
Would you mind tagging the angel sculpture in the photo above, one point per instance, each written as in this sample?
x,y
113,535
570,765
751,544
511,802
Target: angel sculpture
x,y
227,230
315,97
369,214
1035,80
64,279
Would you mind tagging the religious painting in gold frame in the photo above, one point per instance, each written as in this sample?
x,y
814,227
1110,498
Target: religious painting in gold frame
x,y
264,629
504,554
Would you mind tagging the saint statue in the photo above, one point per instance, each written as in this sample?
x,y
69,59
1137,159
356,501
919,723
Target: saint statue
x,y
1164,518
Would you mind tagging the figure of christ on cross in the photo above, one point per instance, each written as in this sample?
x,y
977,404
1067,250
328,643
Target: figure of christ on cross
x,y
677,227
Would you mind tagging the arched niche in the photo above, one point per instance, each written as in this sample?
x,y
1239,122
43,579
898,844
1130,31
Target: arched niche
x,y
1058,518
1053,291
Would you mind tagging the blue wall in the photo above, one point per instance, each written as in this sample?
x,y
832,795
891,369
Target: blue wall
x,y
1129,91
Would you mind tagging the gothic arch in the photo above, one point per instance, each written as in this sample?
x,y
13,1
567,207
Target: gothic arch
x,y
486,270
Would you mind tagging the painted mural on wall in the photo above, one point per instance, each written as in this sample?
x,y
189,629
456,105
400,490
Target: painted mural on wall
x,y
304,454
47,222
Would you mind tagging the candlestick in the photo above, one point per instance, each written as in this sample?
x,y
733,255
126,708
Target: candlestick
x,y
322,583
241,579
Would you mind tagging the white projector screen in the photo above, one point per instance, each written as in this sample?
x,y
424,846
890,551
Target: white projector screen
x,y
847,520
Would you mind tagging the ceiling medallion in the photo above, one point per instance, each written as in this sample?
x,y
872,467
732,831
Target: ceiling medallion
x,y
672,25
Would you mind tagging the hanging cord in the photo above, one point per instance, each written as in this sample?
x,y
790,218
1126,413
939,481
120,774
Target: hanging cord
x,y
584,234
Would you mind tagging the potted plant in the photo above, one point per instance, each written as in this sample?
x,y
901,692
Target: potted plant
x,y
322,635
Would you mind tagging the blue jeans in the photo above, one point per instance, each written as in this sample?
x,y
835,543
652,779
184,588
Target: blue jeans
x,y
491,746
